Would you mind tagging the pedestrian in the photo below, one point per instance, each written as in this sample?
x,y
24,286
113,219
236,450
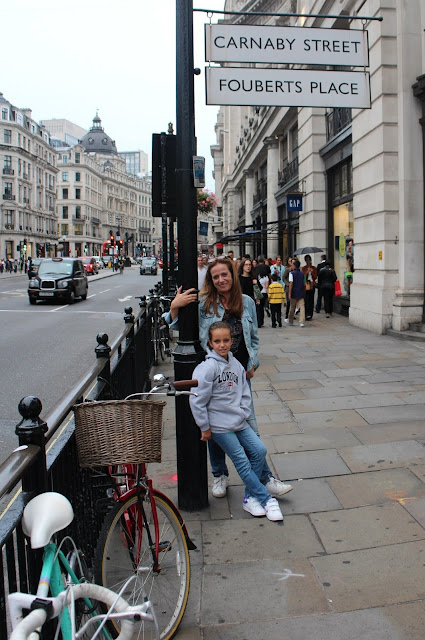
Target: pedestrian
x,y
296,292
249,284
202,270
1,266
276,294
327,278
310,273
231,255
319,293
221,407
222,299
278,268
254,265
286,283
262,270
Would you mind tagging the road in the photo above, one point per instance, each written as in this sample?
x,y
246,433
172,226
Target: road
x,y
46,348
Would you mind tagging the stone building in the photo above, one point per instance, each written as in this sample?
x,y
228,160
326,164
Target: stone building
x,y
98,198
28,185
360,171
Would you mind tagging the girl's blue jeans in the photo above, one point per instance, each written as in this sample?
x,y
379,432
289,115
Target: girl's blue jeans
x,y
218,458
248,454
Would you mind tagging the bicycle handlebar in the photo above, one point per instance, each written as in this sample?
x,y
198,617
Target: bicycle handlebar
x,y
184,384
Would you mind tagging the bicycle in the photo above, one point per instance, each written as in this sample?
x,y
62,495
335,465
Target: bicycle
x,y
83,609
160,331
143,525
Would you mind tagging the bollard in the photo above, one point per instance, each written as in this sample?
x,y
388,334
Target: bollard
x,y
103,350
31,430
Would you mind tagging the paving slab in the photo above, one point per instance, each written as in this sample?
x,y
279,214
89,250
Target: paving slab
x,y
236,540
382,456
385,387
295,384
319,438
354,371
395,622
418,470
292,394
330,391
277,428
309,464
343,418
309,496
375,433
416,508
393,414
295,375
373,577
340,401
366,527
376,487
280,587
412,397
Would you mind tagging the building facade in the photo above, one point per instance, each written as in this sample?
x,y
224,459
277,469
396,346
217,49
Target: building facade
x,y
97,198
28,186
360,172
136,162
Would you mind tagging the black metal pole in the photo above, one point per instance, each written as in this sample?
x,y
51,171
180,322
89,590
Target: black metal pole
x,y
164,213
191,452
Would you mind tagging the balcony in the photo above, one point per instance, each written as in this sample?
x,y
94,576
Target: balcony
x,y
8,171
25,176
95,220
337,120
8,196
241,219
11,227
26,200
290,172
261,193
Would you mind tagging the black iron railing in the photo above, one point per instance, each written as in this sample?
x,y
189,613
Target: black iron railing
x,y
337,120
47,458
288,173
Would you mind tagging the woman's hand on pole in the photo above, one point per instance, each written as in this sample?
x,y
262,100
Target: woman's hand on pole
x,y
182,299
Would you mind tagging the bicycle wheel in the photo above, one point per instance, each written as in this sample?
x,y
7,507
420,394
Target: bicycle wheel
x,y
122,549
85,608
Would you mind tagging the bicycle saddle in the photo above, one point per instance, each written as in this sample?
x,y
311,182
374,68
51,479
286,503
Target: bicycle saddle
x,y
44,515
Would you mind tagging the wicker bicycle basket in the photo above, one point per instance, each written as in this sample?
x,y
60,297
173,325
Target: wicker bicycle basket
x,y
118,432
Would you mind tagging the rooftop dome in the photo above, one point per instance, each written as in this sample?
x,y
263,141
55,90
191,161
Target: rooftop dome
x,y
97,141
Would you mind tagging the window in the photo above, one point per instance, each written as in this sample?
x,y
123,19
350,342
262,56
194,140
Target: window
x,y
78,194
7,136
7,162
77,158
64,229
4,113
64,194
65,213
78,229
65,159
77,176
78,212
294,136
8,188
64,176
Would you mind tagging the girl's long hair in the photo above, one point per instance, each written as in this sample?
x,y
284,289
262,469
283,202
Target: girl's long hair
x,y
241,266
210,295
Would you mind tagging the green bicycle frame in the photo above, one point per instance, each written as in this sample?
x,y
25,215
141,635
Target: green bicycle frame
x,y
51,580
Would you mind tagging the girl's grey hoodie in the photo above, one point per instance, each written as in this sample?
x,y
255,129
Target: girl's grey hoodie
x,y
224,398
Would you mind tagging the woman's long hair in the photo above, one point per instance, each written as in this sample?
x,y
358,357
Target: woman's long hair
x,y
210,295
241,266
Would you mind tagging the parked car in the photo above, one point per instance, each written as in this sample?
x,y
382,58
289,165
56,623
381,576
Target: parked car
x,y
90,266
148,266
35,263
59,278
99,262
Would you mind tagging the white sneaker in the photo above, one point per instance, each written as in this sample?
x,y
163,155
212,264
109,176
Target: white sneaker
x,y
276,488
301,324
253,507
272,510
286,320
219,487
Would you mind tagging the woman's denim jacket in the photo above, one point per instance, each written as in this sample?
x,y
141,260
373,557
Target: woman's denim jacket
x,y
249,324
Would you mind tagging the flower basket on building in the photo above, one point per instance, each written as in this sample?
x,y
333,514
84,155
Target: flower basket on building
x,y
206,201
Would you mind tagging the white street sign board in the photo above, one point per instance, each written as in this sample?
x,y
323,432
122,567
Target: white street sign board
x,y
291,88
286,45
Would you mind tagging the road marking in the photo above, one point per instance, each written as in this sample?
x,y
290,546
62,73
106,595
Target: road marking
x,y
59,308
92,296
125,299
104,291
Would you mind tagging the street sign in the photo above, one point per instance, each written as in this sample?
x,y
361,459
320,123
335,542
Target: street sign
x,y
294,202
203,228
286,45
284,87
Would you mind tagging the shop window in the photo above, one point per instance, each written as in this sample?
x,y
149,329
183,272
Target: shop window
x,y
344,245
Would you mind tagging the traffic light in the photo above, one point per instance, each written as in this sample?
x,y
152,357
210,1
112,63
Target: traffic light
x,y
120,242
24,246
112,239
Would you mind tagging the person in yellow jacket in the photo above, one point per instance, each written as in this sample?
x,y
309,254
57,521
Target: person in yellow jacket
x,y
276,297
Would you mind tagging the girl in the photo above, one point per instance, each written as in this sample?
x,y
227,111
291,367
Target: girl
x,y
247,280
221,409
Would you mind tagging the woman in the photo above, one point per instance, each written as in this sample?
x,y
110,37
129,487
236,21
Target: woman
x,y
222,299
310,273
285,278
247,280
327,278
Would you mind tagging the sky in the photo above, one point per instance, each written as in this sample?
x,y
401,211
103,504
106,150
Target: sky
x,y
69,59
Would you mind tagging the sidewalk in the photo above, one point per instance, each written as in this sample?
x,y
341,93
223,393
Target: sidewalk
x,y
342,412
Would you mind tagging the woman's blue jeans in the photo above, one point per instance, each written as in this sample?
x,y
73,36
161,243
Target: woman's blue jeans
x,y
248,454
218,458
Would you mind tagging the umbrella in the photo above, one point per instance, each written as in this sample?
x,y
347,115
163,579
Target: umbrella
x,y
307,250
